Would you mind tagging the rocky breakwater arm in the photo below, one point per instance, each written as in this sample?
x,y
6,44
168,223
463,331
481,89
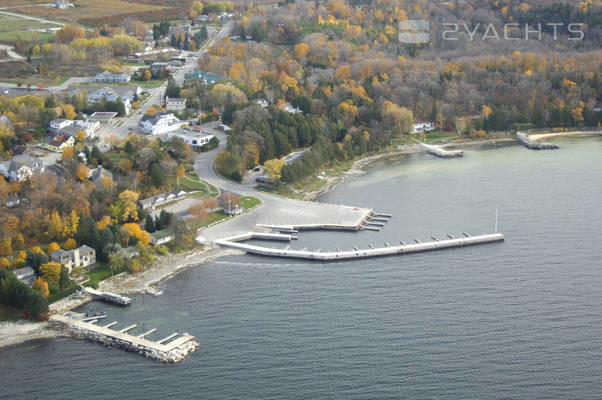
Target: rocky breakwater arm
x,y
531,144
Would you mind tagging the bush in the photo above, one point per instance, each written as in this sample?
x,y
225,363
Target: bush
x,y
236,176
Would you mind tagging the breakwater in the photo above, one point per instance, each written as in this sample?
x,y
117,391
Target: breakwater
x,y
531,144
441,153
171,352
389,250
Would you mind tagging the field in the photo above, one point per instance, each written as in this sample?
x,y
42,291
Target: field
x,y
12,37
90,9
14,23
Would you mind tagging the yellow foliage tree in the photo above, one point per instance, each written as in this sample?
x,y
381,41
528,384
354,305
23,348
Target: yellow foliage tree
x,y
274,168
133,229
51,272
41,286
301,50
4,263
70,244
129,201
82,172
68,153
52,247
69,111
104,222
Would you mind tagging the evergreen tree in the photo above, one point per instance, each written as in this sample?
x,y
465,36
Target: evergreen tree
x,y
149,224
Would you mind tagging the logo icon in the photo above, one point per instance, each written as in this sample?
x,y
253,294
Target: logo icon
x,y
414,31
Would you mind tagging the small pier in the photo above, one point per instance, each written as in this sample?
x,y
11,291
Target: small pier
x,y
109,297
531,144
418,247
441,153
164,350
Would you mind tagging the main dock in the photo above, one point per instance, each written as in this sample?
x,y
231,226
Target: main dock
x,y
417,247
164,350
441,153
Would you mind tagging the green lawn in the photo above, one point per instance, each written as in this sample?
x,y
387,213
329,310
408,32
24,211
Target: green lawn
x,y
100,273
63,293
192,183
12,37
248,202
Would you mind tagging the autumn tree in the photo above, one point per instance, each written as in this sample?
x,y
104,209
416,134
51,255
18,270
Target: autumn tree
x,y
52,247
70,244
199,211
82,172
274,168
41,286
132,229
129,203
68,33
397,118
51,272
69,111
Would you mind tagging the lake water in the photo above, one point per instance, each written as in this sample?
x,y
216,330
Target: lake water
x,y
520,319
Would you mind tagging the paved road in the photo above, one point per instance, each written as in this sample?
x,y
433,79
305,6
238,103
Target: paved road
x,y
46,21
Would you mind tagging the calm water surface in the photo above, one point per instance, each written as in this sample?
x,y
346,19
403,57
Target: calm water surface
x,y
519,320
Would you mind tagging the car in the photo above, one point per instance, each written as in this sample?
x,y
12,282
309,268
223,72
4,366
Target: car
x,y
257,169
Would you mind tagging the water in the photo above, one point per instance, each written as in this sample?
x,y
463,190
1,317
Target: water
x,y
520,319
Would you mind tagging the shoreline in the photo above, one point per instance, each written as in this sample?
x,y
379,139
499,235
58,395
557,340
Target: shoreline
x,y
13,333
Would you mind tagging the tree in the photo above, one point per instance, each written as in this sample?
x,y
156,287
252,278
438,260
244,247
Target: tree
x,y
196,8
68,33
51,272
274,168
69,111
199,211
398,118
132,229
52,247
70,244
55,227
64,280
180,172
149,224
81,136
129,203
68,153
157,175
172,90
41,286
82,172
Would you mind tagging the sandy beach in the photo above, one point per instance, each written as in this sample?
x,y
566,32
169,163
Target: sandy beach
x,y
540,136
12,333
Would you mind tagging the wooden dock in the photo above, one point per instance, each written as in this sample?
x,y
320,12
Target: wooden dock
x,y
108,297
165,350
418,247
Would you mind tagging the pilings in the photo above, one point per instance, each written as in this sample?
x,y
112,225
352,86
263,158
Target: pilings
x,y
172,352
531,144
365,253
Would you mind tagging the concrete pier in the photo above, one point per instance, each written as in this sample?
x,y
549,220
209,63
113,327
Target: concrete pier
x,y
172,352
109,297
531,144
364,253
441,153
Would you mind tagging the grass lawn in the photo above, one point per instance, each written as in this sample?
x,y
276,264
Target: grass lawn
x,y
192,183
215,217
248,202
12,37
63,293
100,273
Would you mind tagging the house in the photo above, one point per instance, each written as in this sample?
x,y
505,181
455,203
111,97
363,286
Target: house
x,y
290,109
420,127
59,143
163,198
175,104
96,175
112,95
5,121
202,18
262,102
25,275
62,4
67,127
109,77
21,167
84,256
159,123
161,237
13,201
160,66
192,138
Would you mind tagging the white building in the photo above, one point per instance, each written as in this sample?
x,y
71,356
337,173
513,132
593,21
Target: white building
x,y
175,104
159,123
25,275
67,127
83,256
420,127
108,77
191,137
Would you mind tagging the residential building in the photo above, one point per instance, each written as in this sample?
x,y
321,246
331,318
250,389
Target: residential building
x,y
161,237
26,275
159,123
108,77
128,95
59,143
175,104
103,116
69,127
160,66
191,137
84,256
420,127
163,198
21,167
13,201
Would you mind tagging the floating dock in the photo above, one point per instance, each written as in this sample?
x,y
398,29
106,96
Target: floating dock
x,y
109,297
171,352
441,153
531,144
418,247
